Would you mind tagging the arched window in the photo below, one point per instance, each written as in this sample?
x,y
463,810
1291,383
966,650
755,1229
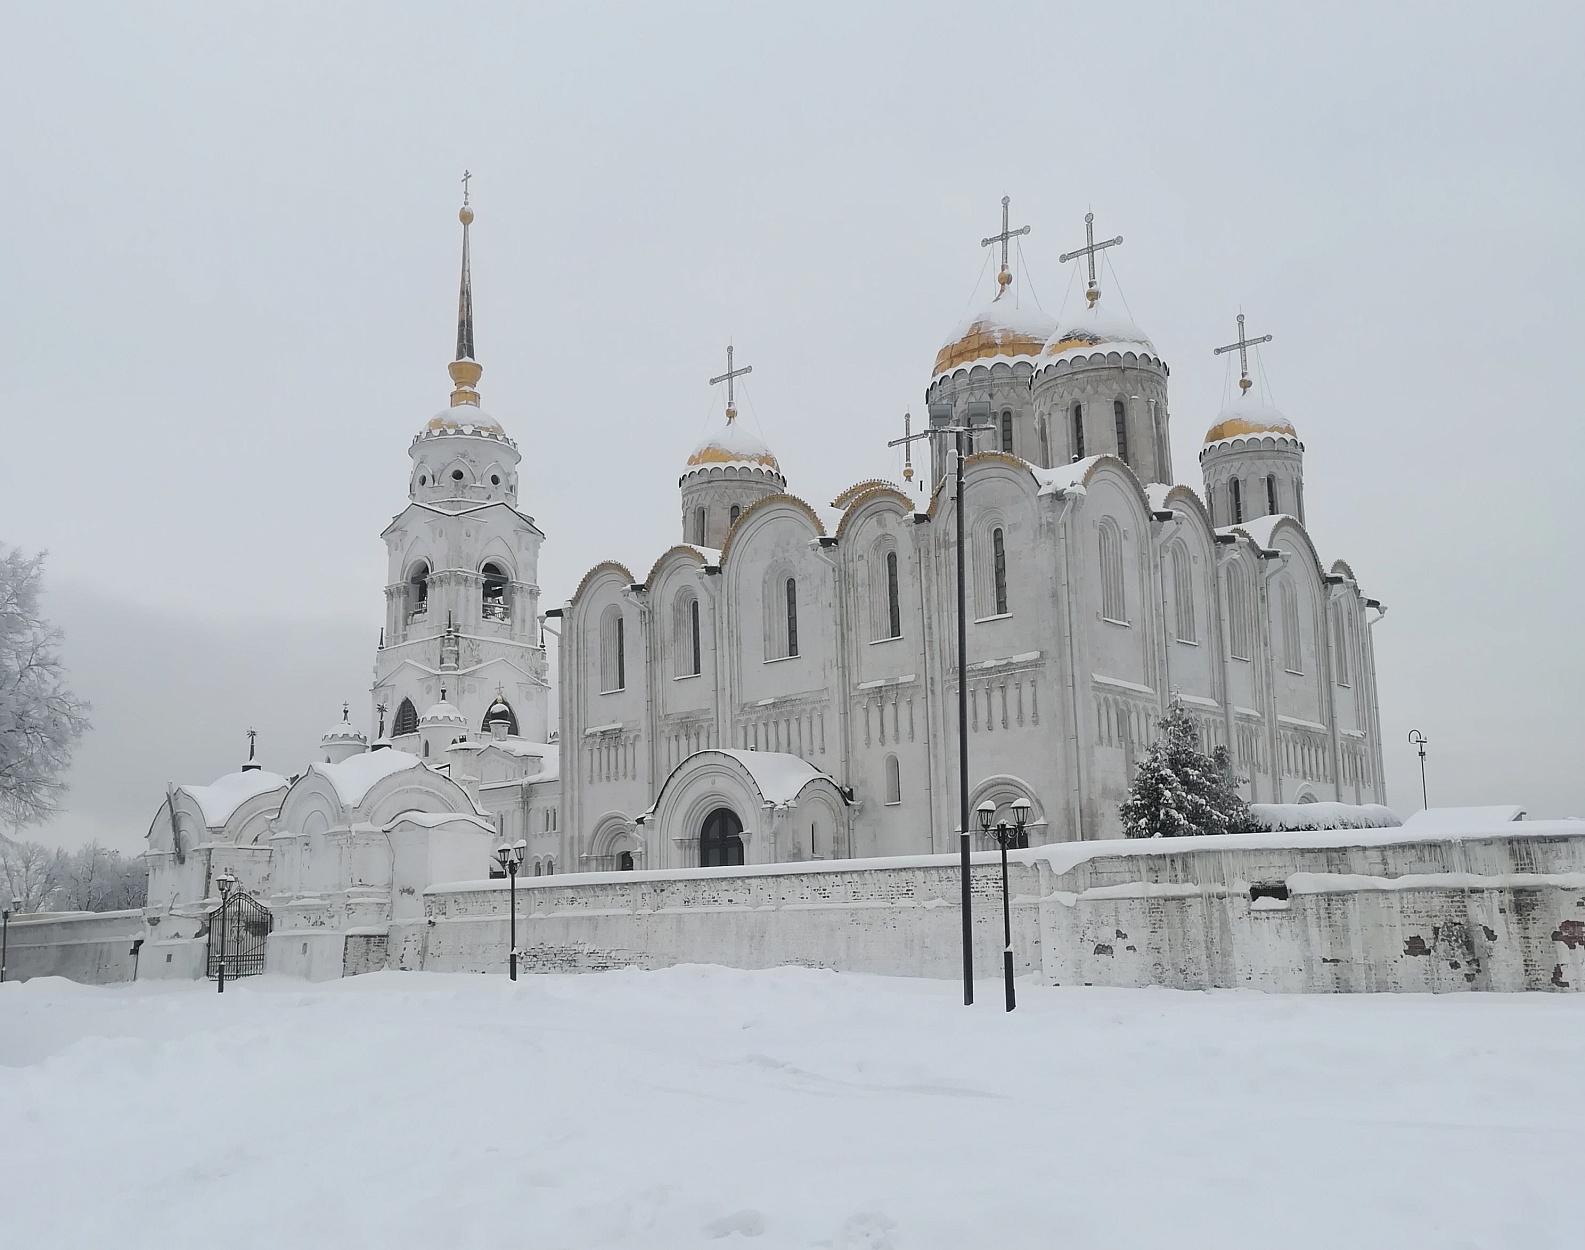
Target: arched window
x,y
1120,424
698,527
1114,606
1235,501
494,591
1183,593
1271,494
1045,445
624,862
735,513
999,569
406,719
1007,431
721,839
1292,639
1237,613
886,620
550,867
613,658
1340,645
1078,431
685,634
418,589
894,780
539,868
511,716
792,616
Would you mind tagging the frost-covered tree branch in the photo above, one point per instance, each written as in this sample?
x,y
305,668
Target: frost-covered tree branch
x,y
40,719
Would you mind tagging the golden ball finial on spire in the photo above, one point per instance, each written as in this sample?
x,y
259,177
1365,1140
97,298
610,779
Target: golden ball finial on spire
x,y
1244,384
465,216
1004,279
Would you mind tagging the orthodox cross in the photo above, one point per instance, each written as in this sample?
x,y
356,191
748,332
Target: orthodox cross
x,y
906,442
727,377
1004,276
1242,347
380,708
253,737
465,176
1093,292
346,709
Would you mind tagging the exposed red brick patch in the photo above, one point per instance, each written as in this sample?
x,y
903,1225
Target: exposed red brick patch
x,y
1571,933
1101,948
1416,946
1557,977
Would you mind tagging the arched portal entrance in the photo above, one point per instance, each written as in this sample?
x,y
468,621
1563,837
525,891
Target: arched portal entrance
x,y
721,839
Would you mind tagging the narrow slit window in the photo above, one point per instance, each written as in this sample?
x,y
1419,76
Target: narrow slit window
x,y
693,630
999,569
894,607
1271,494
1120,424
1007,432
1078,431
792,616
1235,497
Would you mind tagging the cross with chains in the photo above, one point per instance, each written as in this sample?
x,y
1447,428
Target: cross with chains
x,y
727,377
1242,348
1004,276
1090,248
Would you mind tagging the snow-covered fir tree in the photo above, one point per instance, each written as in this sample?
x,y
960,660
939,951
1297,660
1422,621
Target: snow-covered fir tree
x,y
1179,791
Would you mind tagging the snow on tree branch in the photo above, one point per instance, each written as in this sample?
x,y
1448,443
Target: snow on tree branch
x,y
40,719
1178,791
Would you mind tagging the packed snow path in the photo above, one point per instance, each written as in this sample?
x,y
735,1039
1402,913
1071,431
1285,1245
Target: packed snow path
x,y
704,1106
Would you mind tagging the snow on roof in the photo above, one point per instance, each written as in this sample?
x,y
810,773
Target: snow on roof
x,y
1063,477
355,777
465,416
1464,817
442,713
733,443
342,731
1260,530
547,753
433,820
219,800
1249,416
778,775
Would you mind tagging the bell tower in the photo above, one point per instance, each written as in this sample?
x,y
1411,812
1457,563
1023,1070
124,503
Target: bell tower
x,y
462,590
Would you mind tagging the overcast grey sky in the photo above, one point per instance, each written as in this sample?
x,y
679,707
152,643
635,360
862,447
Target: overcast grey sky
x,y
229,247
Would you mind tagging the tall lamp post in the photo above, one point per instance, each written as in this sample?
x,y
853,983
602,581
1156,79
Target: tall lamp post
x,y
225,881
5,933
1419,740
510,856
941,423
1006,835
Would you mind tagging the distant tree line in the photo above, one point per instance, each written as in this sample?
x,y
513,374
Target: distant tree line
x,y
91,878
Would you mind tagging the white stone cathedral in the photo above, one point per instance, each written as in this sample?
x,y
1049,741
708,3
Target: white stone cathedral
x,y
781,683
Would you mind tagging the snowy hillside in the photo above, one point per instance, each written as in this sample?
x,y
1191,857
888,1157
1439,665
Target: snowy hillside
x,y
703,1106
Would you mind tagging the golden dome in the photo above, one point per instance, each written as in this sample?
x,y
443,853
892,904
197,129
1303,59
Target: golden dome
x,y
733,445
999,330
1241,419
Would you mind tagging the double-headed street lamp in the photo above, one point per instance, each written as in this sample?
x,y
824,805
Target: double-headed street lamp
x,y
225,881
510,856
5,932
1006,835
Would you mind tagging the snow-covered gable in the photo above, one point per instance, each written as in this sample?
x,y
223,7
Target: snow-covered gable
x,y
1464,817
220,800
1064,477
779,776
354,778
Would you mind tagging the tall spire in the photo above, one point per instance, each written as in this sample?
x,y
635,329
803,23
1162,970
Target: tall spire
x,y
465,370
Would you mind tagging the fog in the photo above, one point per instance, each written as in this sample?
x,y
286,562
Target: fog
x,y
230,252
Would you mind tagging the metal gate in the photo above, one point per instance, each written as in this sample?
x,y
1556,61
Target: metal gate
x,y
239,931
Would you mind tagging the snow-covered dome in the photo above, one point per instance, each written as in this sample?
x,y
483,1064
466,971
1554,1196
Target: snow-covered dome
x,y
342,731
498,712
1092,326
733,444
441,713
1002,329
463,418
1248,416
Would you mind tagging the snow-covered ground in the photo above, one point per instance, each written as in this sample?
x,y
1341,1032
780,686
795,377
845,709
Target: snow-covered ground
x,y
704,1106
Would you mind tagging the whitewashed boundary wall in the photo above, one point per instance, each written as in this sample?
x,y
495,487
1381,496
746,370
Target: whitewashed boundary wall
x,y
1339,911
92,947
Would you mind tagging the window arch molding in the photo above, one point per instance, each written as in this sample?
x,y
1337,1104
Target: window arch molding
x,y
1185,627
885,586
891,781
1003,790
406,721
989,557
686,634
785,596
613,650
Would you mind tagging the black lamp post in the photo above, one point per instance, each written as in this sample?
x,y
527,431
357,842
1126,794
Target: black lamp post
x,y
1419,740
1006,835
5,933
510,857
225,881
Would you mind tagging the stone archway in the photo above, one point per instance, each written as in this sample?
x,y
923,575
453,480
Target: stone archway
x,y
721,839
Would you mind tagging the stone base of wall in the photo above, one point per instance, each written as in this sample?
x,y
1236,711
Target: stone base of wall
x,y
1339,911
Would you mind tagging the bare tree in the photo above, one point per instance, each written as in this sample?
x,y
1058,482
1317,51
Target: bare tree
x,y
95,878
31,874
40,719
